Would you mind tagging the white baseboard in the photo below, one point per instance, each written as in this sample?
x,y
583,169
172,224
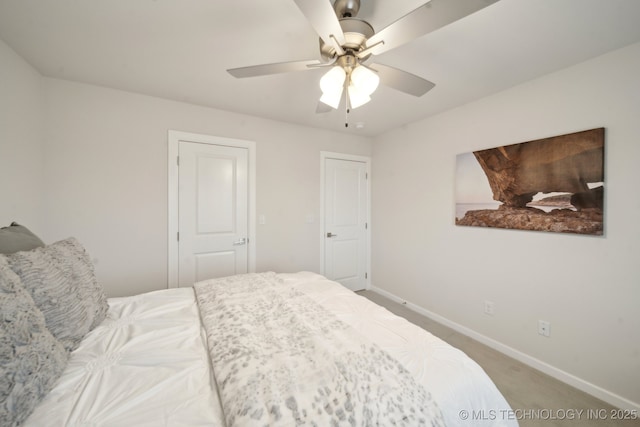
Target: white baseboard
x,y
559,374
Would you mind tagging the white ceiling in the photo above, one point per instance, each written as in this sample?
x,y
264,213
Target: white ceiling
x,y
180,49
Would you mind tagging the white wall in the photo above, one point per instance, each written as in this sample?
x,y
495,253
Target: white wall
x,y
21,156
106,180
587,287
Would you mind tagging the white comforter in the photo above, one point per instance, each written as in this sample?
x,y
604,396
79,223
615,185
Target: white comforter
x,y
147,364
465,394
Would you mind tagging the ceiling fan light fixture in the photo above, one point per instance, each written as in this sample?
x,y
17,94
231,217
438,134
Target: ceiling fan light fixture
x,y
332,99
365,79
332,85
333,80
357,97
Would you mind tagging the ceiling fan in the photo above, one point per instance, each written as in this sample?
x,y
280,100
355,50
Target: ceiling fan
x,y
348,43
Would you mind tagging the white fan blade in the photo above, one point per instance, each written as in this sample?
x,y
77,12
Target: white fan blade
x,y
323,19
402,80
323,108
267,69
425,19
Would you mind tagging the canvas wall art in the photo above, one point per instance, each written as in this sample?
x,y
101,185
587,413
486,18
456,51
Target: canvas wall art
x,y
553,184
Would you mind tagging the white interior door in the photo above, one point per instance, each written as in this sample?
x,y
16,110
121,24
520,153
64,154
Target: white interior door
x,y
212,210
345,222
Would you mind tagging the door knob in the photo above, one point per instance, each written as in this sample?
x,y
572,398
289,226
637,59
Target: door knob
x,y
330,234
240,242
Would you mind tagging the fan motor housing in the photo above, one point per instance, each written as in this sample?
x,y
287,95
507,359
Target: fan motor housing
x,y
356,32
346,8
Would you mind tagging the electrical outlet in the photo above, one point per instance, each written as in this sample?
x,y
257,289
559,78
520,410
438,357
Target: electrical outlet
x,y
544,328
489,308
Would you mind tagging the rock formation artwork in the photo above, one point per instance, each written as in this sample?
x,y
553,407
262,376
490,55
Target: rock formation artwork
x,y
552,184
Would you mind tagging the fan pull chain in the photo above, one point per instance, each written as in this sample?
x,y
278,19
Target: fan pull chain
x,y
346,115
346,98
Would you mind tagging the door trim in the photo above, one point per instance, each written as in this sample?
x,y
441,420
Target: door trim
x,y
174,138
349,157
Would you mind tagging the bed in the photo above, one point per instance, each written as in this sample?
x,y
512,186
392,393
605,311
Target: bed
x,y
254,349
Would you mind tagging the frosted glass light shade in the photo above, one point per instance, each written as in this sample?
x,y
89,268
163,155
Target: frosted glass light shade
x,y
332,99
332,84
364,79
357,97
333,79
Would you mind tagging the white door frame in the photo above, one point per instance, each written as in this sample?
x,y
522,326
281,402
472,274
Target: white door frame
x,y
367,161
174,138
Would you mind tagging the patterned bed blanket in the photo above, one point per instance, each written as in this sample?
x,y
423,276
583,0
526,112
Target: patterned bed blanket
x,y
280,359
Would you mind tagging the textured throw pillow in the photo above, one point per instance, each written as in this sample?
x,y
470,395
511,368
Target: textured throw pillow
x,y
16,238
62,282
31,359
